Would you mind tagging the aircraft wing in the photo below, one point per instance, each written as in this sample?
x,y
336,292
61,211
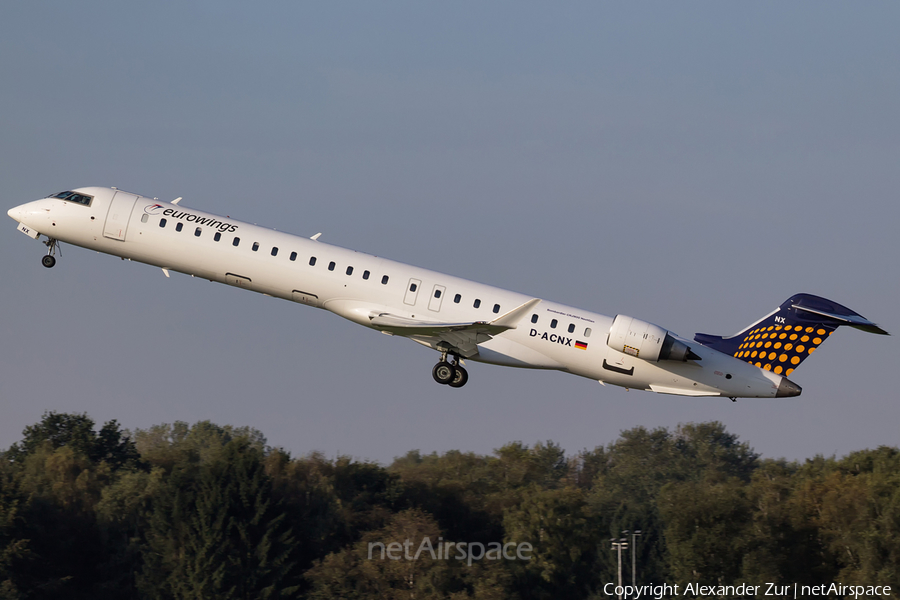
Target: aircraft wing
x,y
462,337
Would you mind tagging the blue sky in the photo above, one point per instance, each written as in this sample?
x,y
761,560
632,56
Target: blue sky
x,y
691,165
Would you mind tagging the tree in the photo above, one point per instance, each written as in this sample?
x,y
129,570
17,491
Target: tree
x,y
317,516
217,532
706,523
414,568
183,445
62,487
854,505
76,431
13,549
560,527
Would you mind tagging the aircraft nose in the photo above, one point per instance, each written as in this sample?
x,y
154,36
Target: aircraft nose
x,y
787,388
33,214
16,213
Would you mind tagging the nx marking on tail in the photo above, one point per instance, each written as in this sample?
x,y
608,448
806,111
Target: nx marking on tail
x,y
460,319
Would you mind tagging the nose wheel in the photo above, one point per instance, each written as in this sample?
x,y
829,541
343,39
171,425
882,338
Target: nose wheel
x,y
49,260
450,373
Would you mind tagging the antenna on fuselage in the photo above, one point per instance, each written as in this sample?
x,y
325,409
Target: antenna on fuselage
x,y
177,200
316,237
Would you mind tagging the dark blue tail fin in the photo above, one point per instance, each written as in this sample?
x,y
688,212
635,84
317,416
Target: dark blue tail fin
x,y
781,340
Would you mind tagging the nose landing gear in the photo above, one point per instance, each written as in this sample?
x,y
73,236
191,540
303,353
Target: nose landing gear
x,y
49,259
452,374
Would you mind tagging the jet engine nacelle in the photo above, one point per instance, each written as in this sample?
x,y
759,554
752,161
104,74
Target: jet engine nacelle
x,y
646,341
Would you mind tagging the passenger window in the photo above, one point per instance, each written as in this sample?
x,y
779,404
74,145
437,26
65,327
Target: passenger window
x,y
236,241
218,236
496,308
162,222
413,287
587,332
384,280
312,261
255,246
437,293
457,298
534,318
144,218
293,256
365,274
331,266
477,303
349,270
571,327
274,251
197,232
179,226
553,324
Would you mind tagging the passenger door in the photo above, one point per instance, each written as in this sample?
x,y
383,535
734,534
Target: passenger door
x,y
118,214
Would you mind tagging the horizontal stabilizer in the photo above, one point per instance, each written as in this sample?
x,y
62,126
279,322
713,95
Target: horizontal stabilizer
x,y
853,320
783,339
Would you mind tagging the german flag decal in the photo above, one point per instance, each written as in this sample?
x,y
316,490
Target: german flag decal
x,y
581,345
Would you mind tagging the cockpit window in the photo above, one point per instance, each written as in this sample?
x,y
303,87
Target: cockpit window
x,y
74,197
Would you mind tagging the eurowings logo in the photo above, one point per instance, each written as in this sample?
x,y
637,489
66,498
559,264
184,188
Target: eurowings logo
x,y
192,218
152,209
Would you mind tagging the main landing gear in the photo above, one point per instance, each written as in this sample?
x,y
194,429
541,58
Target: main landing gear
x,y
447,373
49,259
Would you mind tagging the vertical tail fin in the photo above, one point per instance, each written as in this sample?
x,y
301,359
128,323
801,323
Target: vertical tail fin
x,y
783,339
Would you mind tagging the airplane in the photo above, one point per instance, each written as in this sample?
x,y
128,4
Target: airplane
x,y
461,319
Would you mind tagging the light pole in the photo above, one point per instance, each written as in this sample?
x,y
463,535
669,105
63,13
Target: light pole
x,y
634,535
619,544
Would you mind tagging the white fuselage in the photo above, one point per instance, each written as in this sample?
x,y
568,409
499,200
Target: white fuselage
x,y
356,286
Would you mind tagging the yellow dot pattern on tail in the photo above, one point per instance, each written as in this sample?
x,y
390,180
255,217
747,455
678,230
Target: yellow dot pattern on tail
x,y
788,345
783,339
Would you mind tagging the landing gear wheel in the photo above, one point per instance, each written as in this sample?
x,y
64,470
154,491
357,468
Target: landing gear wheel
x,y
52,246
460,379
443,372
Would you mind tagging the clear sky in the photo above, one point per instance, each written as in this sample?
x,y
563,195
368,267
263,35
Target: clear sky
x,y
693,165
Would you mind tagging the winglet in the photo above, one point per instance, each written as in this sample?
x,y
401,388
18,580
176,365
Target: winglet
x,y
511,319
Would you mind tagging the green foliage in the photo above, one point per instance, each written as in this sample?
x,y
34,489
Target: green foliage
x,y
13,550
633,471
58,430
705,522
210,511
181,445
219,533
469,493
366,569
557,524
